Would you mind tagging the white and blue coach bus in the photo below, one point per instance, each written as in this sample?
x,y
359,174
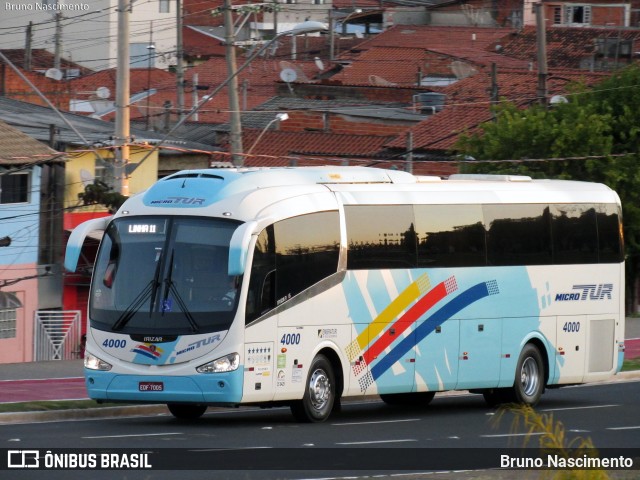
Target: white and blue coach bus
x,y
300,286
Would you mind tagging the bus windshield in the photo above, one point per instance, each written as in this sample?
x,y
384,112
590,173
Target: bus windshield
x,y
164,275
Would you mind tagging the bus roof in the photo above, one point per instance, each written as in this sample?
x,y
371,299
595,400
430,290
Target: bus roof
x,y
224,190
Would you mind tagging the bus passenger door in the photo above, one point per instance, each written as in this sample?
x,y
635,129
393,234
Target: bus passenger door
x,y
480,353
571,348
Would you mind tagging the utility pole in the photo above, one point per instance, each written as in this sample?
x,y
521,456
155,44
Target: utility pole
x,y
28,54
179,66
541,33
235,134
57,53
121,137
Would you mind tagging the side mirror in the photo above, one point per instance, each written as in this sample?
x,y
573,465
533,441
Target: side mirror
x,y
239,248
76,240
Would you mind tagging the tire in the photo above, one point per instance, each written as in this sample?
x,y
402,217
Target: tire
x,y
528,384
186,411
413,399
319,395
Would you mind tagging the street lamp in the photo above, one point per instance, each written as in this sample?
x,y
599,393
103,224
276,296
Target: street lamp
x,y
281,117
309,26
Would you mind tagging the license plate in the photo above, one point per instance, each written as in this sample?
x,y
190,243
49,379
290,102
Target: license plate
x,y
151,386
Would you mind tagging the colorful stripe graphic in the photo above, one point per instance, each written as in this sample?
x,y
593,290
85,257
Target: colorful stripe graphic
x,y
148,350
411,316
466,298
401,302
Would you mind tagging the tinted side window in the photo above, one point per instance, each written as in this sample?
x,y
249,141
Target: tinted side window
x,y
610,244
307,250
262,292
574,231
380,237
289,257
450,236
518,234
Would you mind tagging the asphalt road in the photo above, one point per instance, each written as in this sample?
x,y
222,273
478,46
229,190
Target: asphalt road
x,y
450,430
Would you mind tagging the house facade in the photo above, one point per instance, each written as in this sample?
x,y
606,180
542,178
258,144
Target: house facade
x,y
30,276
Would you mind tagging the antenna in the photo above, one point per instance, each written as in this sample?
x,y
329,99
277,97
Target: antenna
x,y
53,73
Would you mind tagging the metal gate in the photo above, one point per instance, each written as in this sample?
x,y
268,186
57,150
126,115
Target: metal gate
x,y
57,335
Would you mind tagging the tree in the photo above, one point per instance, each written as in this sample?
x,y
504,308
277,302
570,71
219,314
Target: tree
x,y
603,122
100,193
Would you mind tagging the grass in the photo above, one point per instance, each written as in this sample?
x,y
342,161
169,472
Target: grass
x,y
552,438
631,364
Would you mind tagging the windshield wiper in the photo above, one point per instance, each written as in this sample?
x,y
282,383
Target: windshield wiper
x,y
170,287
150,290
133,307
156,281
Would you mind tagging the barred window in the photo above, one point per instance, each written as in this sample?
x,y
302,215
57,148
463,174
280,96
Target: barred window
x,y
9,305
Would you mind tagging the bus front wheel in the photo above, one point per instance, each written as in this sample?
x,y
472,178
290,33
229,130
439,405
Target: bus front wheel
x,y
529,382
186,412
319,393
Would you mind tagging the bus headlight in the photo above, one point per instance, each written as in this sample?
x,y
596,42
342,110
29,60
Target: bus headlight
x,y
94,363
228,363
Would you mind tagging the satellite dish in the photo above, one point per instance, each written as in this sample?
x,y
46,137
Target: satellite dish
x,y
86,178
462,70
319,63
103,92
558,99
53,73
288,75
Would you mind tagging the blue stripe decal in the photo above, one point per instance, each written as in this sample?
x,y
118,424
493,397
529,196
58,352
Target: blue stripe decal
x,y
466,298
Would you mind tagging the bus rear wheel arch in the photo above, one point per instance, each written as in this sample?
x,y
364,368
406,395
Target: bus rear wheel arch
x,y
529,382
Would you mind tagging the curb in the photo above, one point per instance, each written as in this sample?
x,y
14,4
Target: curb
x,y
14,418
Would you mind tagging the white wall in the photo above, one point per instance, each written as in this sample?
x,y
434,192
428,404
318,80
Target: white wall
x,y
89,29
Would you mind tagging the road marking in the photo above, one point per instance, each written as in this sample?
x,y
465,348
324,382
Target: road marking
x,y
378,441
376,423
136,435
498,435
577,408
624,428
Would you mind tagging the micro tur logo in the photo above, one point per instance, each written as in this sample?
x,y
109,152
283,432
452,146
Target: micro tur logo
x,y
602,291
23,459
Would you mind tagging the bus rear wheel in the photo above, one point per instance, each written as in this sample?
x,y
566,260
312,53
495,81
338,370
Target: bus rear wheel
x,y
186,412
319,393
529,382
412,399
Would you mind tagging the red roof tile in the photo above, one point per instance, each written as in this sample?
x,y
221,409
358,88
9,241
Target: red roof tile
x,y
566,47
198,44
285,145
198,13
468,104
140,80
